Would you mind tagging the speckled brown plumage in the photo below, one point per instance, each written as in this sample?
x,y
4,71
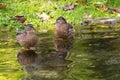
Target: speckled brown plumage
x,y
63,29
27,38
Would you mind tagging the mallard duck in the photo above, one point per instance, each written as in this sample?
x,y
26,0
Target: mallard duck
x,y
27,38
63,29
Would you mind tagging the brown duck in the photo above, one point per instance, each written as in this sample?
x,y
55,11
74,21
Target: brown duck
x,y
63,30
27,38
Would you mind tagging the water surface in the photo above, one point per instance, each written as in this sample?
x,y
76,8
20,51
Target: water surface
x,y
89,56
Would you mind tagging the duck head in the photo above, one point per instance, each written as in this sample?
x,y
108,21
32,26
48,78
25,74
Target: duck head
x,y
61,20
29,27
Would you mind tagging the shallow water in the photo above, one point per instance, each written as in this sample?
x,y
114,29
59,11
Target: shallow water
x,y
89,56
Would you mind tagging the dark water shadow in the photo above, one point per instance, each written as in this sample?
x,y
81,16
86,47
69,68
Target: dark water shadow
x,y
105,55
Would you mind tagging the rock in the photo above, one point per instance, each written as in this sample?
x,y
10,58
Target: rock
x,y
104,21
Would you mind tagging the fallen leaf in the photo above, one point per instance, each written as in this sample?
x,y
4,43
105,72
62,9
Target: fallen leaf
x,y
69,7
2,6
98,5
44,17
101,6
20,18
105,8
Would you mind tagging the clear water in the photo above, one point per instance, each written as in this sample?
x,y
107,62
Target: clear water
x,y
89,56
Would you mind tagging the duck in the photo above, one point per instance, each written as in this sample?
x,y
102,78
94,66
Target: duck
x,y
27,38
63,29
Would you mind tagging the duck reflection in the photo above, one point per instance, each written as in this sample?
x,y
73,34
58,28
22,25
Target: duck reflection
x,y
63,45
48,66
27,58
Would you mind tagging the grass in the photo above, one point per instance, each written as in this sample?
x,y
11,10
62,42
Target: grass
x,y
31,8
